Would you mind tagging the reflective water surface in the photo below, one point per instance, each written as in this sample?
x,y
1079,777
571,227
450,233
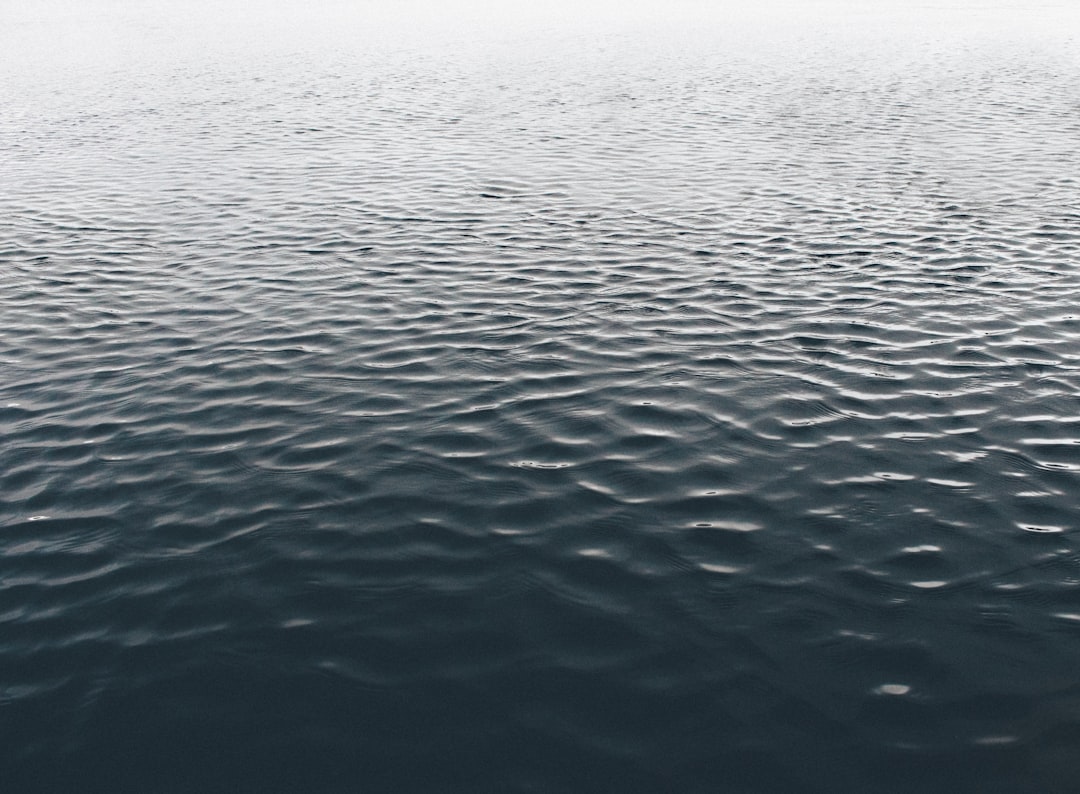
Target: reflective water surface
x,y
405,398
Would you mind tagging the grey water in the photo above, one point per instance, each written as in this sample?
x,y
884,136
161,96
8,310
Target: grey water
x,y
586,397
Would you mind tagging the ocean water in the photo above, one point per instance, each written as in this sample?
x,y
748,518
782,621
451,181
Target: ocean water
x,y
587,398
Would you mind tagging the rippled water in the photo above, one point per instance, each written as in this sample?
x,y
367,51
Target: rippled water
x,y
398,399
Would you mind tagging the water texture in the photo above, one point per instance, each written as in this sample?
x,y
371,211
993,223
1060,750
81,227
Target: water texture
x,y
606,399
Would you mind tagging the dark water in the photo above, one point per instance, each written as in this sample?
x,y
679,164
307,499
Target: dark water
x,y
596,400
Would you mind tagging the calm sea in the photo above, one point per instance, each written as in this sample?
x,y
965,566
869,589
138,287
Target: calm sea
x,y
402,397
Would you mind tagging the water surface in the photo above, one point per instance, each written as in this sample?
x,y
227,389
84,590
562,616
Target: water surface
x,y
602,398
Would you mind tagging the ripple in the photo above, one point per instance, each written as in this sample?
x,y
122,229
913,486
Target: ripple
x,y
433,399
